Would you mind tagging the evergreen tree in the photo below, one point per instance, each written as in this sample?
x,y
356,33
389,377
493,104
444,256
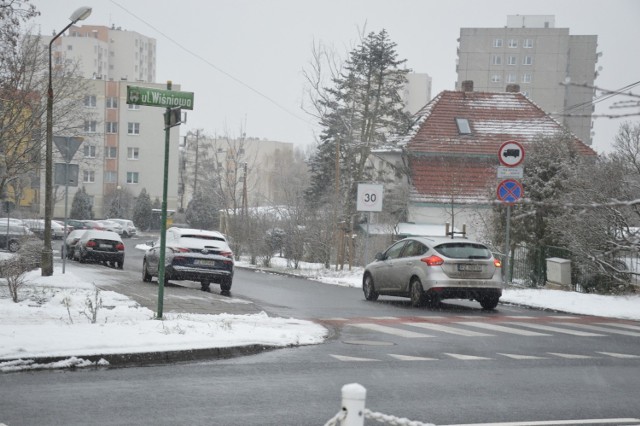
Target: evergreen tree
x,y
202,212
142,211
81,205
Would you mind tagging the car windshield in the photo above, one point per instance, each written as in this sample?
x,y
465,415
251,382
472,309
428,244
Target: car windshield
x,y
463,250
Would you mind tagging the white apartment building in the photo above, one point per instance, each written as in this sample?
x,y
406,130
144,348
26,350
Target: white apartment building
x,y
554,69
123,145
417,91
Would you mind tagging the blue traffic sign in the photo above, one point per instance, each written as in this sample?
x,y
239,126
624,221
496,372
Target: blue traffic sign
x,y
510,191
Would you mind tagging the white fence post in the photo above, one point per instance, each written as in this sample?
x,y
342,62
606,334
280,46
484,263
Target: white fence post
x,y
353,398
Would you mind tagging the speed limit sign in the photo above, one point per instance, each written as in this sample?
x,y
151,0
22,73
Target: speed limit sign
x,y
369,197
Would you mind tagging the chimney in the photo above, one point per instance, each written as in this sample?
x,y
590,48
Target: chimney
x,y
513,88
467,86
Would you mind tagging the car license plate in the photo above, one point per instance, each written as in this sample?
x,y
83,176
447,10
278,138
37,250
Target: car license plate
x,y
469,268
106,246
204,262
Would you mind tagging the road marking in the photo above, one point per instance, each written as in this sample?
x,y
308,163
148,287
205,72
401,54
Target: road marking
x,y
516,356
463,357
502,329
570,356
335,319
384,318
411,358
616,355
391,330
615,324
558,422
446,329
351,358
604,330
557,329
519,316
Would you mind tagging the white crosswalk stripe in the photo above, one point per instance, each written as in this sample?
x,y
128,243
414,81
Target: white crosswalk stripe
x,y
521,357
411,358
446,329
352,358
616,355
463,357
570,356
503,329
557,329
391,330
602,329
621,325
467,357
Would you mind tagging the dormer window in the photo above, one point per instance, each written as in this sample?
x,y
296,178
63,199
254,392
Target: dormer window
x,y
463,126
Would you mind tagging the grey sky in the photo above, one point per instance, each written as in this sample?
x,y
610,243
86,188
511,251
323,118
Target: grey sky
x,y
265,44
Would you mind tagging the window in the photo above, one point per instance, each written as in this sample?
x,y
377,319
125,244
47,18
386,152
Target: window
x,y
513,43
527,43
526,78
90,126
496,60
527,60
90,101
110,177
512,78
90,151
497,42
512,60
394,251
88,176
132,177
133,153
495,78
463,126
111,152
133,128
133,106
111,127
112,102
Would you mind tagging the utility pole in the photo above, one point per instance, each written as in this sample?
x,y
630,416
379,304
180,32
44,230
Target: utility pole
x,y
195,177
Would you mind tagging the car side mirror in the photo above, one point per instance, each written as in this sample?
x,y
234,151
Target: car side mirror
x,y
380,256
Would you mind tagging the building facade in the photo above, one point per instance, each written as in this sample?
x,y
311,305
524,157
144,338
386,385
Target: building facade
x,y
555,69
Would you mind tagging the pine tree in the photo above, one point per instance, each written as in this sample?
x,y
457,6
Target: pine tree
x,y
81,205
202,212
142,211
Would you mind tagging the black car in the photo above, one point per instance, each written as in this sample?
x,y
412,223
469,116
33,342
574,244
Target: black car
x,y
100,246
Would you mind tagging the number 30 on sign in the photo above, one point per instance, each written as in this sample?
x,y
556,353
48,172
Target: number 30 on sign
x,y
369,197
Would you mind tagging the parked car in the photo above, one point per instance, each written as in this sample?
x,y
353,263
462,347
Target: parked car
x,y
69,244
429,270
37,227
78,224
112,226
94,224
14,236
12,221
192,254
128,228
68,228
101,246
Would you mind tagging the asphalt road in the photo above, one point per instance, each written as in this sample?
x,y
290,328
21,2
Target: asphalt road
x,y
452,365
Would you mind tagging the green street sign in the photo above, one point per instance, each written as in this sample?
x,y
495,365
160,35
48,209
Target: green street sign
x,y
137,95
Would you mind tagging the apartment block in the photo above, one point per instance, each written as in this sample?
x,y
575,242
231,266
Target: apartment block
x,y
553,68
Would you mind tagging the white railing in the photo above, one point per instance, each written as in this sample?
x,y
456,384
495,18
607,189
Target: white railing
x,y
353,411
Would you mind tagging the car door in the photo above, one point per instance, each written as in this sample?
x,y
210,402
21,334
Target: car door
x,y
385,273
404,266
152,257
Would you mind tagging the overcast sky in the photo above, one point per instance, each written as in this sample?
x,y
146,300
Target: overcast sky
x,y
243,59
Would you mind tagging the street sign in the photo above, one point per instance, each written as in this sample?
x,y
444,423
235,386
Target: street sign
x,y
67,146
369,197
511,154
66,174
510,191
137,95
510,172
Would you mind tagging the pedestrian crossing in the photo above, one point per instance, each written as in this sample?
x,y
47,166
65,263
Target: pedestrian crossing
x,y
497,356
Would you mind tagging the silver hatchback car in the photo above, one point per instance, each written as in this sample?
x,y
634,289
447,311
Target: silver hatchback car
x,y
429,270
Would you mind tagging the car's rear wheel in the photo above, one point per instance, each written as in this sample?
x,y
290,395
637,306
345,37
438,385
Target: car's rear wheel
x,y
369,288
14,246
417,293
489,301
225,284
146,276
204,285
81,257
119,264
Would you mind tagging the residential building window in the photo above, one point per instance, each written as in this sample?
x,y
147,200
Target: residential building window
x,y
88,176
133,153
512,78
527,60
495,78
496,60
497,42
112,102
133,128
132,177
110,177
527,43
90,101
526,78
513,43
133,106
90,151
512,60
111,152
111,127
90,126
463,126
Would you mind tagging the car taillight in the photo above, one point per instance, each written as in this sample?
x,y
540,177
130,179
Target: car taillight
x,y
228,254
180,250
91,243
497,263
432,260
120,247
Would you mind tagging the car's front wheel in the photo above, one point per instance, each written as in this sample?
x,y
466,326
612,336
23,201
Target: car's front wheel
x,y
369,288
225,284
14,246
146,276
417,293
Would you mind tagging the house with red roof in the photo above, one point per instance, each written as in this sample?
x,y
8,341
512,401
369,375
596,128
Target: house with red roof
x,y
451,152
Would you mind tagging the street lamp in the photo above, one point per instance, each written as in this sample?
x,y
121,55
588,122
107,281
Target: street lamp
x,y
47,254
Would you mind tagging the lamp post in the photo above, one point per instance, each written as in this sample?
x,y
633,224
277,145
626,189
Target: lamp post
x,y
47,254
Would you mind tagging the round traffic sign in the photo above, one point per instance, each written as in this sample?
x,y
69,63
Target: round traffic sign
x,y
510,191
511,154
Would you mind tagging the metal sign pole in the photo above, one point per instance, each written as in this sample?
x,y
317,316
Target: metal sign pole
x,y
506,262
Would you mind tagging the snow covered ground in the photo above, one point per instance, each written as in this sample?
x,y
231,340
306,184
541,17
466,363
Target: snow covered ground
x,y
57,317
